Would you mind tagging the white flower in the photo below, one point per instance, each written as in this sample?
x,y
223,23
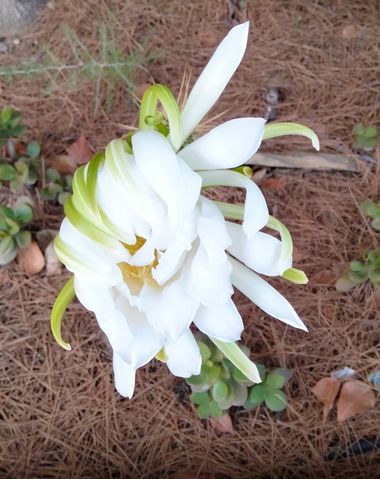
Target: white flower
x,y
151,256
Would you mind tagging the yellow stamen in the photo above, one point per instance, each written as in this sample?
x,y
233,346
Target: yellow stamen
x,y
141,274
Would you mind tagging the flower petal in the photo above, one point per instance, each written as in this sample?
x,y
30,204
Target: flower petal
x,y
255,211
214,78
125,376
169,309
221,321
228,145
184,358
261,252
264,295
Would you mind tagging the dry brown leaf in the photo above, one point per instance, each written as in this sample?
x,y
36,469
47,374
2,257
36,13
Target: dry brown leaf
x,y
326,391
350,32
223,423
325,277
64,164
81,150
355,398
276,183
31,259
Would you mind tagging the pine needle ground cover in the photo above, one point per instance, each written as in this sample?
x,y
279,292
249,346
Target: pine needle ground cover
x,y
59,413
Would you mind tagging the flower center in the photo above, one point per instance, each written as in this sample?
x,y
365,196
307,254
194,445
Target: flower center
x,y
138,275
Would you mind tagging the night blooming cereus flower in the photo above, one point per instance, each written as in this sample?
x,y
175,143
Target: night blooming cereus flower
x,y
151,256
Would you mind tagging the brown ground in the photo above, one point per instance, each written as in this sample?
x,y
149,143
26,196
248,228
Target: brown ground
x,y
59,413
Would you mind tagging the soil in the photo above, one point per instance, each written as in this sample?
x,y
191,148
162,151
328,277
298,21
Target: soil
x,y
60,415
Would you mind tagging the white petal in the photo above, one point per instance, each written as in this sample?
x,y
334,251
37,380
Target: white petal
x,y
261,252
184,358
157,162
100,263
208,283
214,78
169,309
256,213
264,295
170,262
212,232
221,321
228,145
124,376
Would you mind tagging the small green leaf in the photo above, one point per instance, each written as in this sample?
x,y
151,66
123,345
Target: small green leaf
x,y
23,239
6,115
8,250
295,276
62,197
12,226
52,174
211,373
7,172
203,411
215,410
275,381
284,372
200,398
198,380
23,213
219,391
257,394
34,149
275,400
204,350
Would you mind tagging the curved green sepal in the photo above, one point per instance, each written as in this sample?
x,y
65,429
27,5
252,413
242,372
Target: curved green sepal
x,y
286,239
238,359
244,170
64,298
295,276
149,117
92,174
161,355
232,212
274,130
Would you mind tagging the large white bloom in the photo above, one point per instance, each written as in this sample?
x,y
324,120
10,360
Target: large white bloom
x,y
151,256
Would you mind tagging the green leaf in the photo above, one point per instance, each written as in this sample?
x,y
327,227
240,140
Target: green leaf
x,y
204,350
23,213
64,298
6,115
203,411
219,391
34,149
284,372
7,172
200,398
275,381
52,174
215,410
62,197
198,380
8,250
375,223
211,373
275,400
295,276
12,226
23,239
7,212
257,394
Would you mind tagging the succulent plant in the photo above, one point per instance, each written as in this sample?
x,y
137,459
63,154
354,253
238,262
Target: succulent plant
x,y
368,268
220,385
23,171
365,136
10,125
58,187
12,232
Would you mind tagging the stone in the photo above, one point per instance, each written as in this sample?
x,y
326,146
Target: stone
x,y
17,14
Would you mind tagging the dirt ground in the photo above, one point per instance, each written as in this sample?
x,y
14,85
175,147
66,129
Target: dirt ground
x,y
60,415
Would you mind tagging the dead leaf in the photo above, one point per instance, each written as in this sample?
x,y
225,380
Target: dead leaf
x,y
64,164
355,398
275,183
81,150
325,277
31,259
326,391
223,423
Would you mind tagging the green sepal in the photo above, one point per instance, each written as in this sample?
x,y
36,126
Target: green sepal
x,y
274,130
64,298
295,276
